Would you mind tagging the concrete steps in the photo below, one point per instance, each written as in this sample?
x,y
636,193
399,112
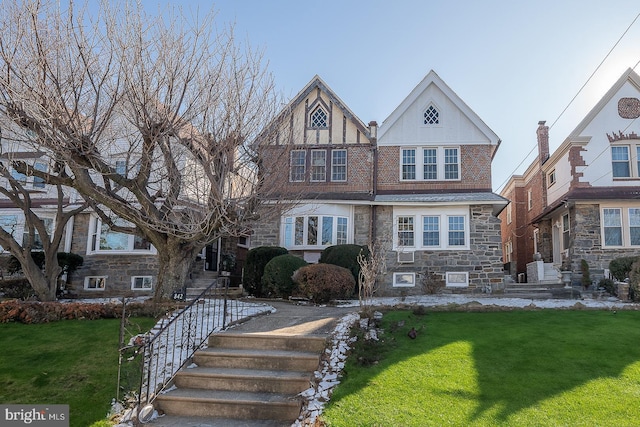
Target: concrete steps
x,y
250,378
538,290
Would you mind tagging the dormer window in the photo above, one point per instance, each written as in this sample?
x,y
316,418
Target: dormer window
x,y
431,116
319,118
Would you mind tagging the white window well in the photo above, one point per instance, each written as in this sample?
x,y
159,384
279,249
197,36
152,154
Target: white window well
x,y
95,283
404,280
141,283
457,279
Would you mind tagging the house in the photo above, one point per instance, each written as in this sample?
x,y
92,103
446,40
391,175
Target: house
x,y
581,201
420,183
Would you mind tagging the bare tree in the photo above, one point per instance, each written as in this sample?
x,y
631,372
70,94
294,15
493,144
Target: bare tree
x,y
372,264
39,219
151,118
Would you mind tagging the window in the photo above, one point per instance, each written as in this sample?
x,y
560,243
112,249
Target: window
x,y
95,283
442,229
37,241
431,116
451,163
121,167
551,178
457,231
319,118
141,283
404,279
509,213
634,226
405,231
318,165
408,164
9,223
508,251
20,177
298,162
437,163
430,161
431,231
620,162
529,199
612,224
103,239
314,230
339,165
37,181
565,231
457,279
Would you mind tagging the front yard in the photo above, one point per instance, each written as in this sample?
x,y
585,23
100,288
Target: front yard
x,y
516,368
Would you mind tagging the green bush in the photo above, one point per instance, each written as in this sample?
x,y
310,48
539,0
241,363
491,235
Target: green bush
x,y
322,283
18,287
620,267
344,256
277,279
634,282
608,285
67,260
257,259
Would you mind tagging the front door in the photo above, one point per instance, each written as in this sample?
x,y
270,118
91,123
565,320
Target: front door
x,y
557,254
211,257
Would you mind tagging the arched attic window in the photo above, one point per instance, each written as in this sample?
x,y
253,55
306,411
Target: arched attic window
x,y
431,115
319,118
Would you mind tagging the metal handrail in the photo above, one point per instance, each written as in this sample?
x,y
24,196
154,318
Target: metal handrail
x,y
168,349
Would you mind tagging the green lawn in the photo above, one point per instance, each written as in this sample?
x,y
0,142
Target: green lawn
x,y
519,368
72,362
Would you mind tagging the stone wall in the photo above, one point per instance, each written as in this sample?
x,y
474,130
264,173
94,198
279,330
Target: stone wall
x,y
482,262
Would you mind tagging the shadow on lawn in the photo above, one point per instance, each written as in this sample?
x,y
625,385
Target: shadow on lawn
x,y
522,358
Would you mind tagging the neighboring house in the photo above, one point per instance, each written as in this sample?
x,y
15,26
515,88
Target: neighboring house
x,y
581,202
420,184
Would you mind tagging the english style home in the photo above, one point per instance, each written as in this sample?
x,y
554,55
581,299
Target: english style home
x,y
581,202
420,183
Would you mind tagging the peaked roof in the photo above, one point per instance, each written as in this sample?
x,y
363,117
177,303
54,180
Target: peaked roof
x,y
628,76
317,83
429,79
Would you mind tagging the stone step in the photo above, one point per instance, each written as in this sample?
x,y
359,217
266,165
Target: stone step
x,y
253,380
230,404
257,359
232,292
268,342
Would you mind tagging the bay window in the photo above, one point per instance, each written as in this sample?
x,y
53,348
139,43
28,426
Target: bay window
x,y
103,239
304,231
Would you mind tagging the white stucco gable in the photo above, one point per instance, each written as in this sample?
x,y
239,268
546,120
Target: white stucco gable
x,y
449,119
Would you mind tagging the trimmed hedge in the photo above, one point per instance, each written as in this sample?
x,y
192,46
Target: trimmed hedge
x,y
344,256
322,283
257,259
277,279
620,267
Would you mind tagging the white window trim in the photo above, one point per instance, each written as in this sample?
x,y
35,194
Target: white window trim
x,y
551,178
346,163
304,166
457,279
95,224
133,282
88,278
424,109
305,231
313,154
509,213
444,214
529,199
404,283
440,163
625,224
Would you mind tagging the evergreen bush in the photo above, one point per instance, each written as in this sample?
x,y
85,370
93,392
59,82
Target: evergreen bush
x,y
257,259
277,278
620,267
344,256
322,283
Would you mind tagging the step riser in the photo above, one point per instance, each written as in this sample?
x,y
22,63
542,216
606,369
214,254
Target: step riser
x,y
228,409
257,385
257,342
307,364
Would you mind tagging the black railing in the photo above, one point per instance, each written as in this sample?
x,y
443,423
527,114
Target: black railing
x,y
155,357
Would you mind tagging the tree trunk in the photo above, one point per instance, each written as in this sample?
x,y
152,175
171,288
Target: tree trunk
x,y
175,261
44,284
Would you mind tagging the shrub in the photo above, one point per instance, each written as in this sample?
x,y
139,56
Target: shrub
x,y
277,278
322,283
634,282
18,287
608,285
586,274
432,283
44,312
344,256
620,267
257,259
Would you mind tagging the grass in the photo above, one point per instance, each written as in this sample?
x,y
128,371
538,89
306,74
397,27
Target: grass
x,y
518,368
72,362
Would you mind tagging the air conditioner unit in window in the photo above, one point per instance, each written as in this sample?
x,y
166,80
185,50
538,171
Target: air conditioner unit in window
x,y
405,257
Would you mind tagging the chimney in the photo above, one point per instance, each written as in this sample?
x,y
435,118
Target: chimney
x,y
373,130
543,141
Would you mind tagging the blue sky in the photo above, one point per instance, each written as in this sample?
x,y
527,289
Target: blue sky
x,y
513,62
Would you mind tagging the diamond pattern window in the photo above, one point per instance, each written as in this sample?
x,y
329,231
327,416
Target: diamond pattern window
x,y
319,118
431,116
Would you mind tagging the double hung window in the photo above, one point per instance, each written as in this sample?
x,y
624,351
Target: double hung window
x,y
437,163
